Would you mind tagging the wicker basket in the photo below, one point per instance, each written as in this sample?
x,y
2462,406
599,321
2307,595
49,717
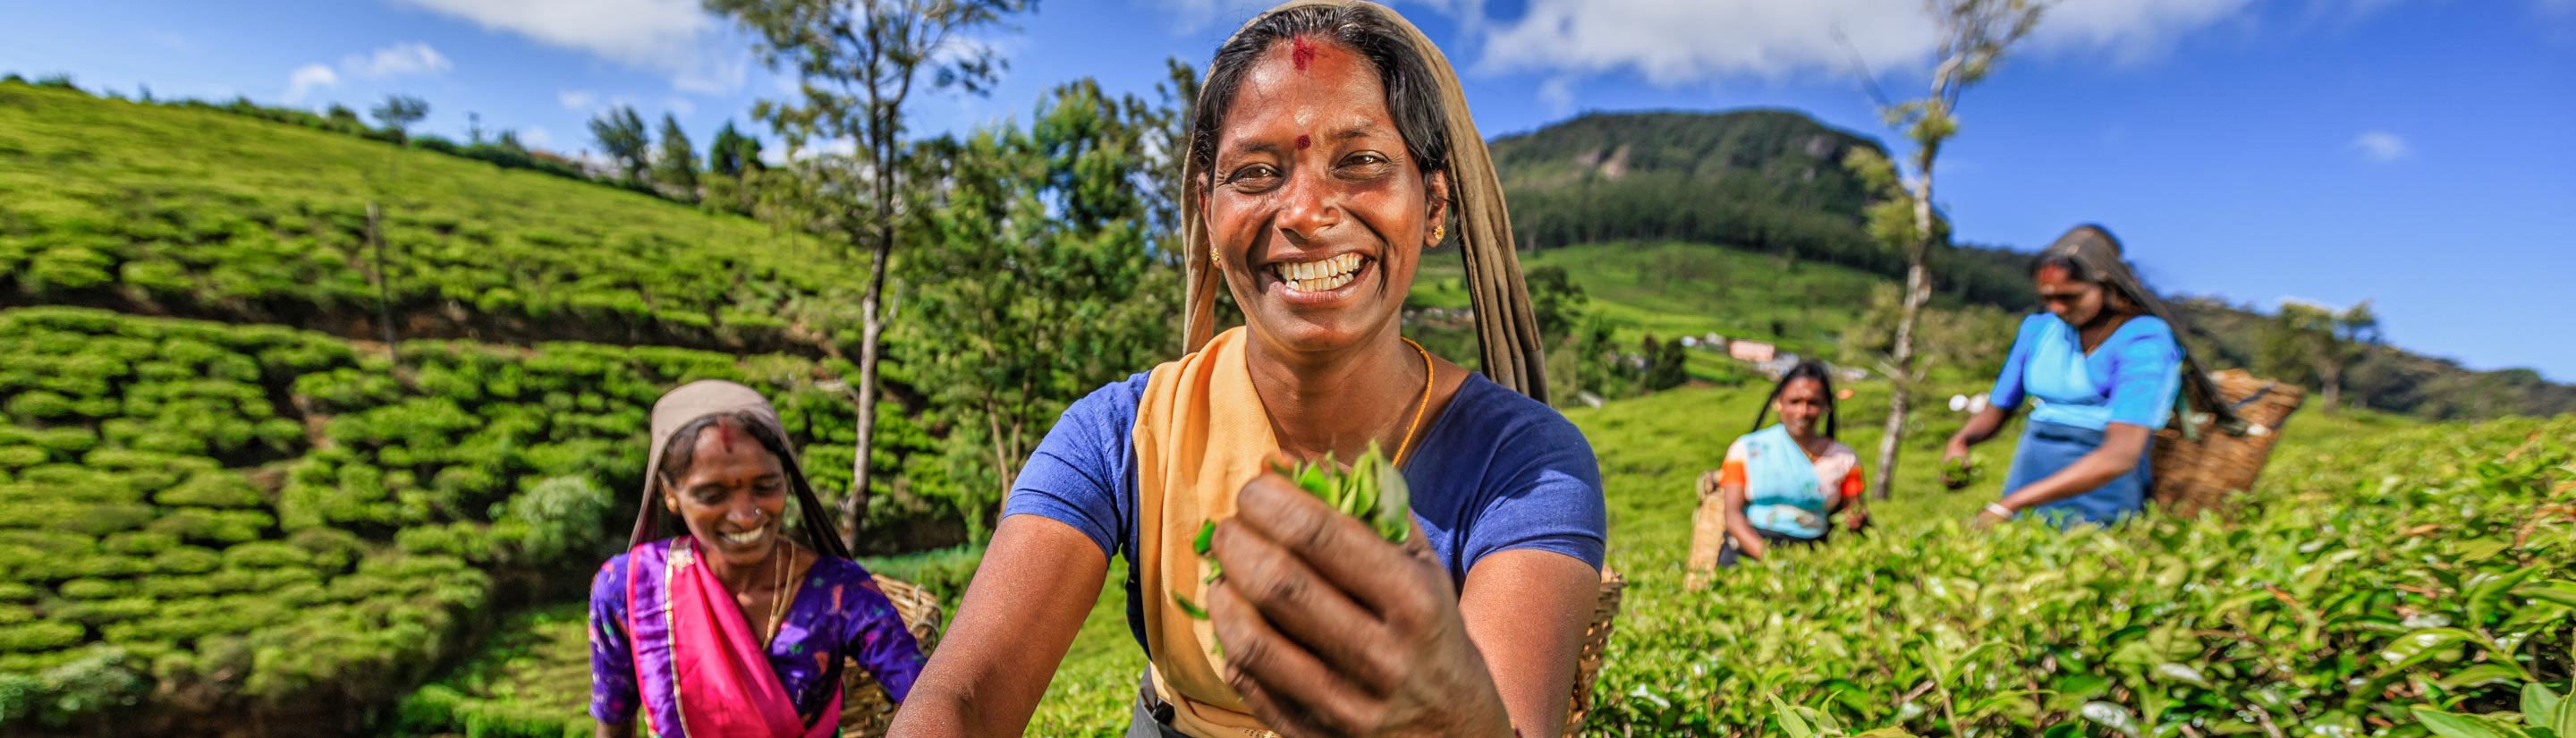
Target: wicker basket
x,y
2195,476
1708,535
1596,640
865,707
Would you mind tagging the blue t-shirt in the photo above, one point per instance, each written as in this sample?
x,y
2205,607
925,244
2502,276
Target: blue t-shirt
x,y
1497,471
2132,378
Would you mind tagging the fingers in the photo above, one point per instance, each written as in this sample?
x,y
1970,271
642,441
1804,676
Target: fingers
x,y
1383,578
1305,608
1283,683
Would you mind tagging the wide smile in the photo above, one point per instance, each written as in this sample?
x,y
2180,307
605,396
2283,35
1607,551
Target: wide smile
x,y
746,539
1321,281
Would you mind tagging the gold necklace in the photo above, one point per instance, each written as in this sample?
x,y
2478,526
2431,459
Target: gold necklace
x,y
777,593
1425,404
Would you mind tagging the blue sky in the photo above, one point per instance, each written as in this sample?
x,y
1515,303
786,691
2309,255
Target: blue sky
x,y
2408,152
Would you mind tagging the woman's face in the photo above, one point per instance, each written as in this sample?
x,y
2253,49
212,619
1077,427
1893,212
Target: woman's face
x,y
732,497
1800,403
1318,216
2074,301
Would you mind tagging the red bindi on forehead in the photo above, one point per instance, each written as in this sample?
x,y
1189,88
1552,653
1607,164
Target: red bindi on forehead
x,y
724,435
1301,51
1304,141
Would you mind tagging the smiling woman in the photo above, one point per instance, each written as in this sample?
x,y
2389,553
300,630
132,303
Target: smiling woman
x,y
1329,151
730,628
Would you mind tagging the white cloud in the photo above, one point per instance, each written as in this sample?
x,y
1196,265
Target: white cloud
x,y
1557,93
536,137
398,60
2380,146
674,37
305,79
679,106
1675,42
576,100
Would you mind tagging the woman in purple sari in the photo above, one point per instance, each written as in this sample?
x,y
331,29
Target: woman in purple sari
x,y
729,629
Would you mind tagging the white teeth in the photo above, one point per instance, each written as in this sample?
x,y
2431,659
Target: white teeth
x,y
749,536
1319,276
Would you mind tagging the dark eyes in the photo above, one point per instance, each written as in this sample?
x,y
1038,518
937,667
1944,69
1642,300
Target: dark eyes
x,y
716,494
1252,176
1260,177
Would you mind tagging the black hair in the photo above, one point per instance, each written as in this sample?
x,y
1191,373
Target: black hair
x,y
1412,97
681,451
1805,369
2089,253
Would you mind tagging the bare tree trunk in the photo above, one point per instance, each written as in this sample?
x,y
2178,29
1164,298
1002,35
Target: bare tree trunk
x,y
871,326
1918,289
384,282
2330,374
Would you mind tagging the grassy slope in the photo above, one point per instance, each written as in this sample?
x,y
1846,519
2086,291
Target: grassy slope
x,y
205,213
1674,289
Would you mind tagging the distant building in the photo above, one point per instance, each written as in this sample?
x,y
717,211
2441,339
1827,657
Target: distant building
x,y
1752,351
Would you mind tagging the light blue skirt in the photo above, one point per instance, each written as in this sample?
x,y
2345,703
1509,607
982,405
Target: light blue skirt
x,y
2049,447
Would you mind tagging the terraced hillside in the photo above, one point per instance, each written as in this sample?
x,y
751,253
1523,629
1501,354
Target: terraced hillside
x,y
160,209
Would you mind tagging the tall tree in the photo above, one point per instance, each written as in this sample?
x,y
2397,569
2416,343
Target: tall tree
x,y
398,112
1973,35
676,168
2320,342
621,136
856,62
1035,281
731,152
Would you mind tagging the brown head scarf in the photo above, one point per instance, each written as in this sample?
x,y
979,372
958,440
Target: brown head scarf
x,y
1506,328
2096,257
695,400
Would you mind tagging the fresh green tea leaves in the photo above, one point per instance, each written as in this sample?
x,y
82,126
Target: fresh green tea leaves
x,y
1371,489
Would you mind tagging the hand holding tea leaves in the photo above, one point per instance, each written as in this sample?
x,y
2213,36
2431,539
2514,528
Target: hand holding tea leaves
x,y
1328,629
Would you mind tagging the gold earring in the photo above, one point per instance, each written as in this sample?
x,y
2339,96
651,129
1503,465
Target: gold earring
x,y
1438,230
1215,261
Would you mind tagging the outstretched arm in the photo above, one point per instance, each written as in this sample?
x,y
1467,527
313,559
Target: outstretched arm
x,y
1038,579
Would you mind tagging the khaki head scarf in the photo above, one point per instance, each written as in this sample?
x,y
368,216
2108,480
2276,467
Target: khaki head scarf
x,y
686,404
2100,255
1506,327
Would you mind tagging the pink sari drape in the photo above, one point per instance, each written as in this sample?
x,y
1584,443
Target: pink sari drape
x,y
721,677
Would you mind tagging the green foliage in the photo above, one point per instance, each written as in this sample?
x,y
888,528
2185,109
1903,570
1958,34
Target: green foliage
x,y
561,517
399,112
1040,287
352,575
531,681
2305,611
242,219
621,136
676,168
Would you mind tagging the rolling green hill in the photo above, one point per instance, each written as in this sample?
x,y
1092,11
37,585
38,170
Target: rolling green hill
x,y
169,210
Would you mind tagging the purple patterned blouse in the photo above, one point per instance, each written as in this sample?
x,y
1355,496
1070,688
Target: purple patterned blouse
x,y
839,610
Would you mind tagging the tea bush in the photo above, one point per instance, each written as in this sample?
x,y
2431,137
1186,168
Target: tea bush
x,y
238,218
266,515
2424,564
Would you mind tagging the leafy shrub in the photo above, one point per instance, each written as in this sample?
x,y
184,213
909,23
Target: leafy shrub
x,y
2312,611
141,542
266,555
187,560
91,589
214,526
40,636
212,489
558,518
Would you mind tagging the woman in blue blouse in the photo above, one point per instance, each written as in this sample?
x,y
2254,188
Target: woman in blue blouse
x,y
2102,369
